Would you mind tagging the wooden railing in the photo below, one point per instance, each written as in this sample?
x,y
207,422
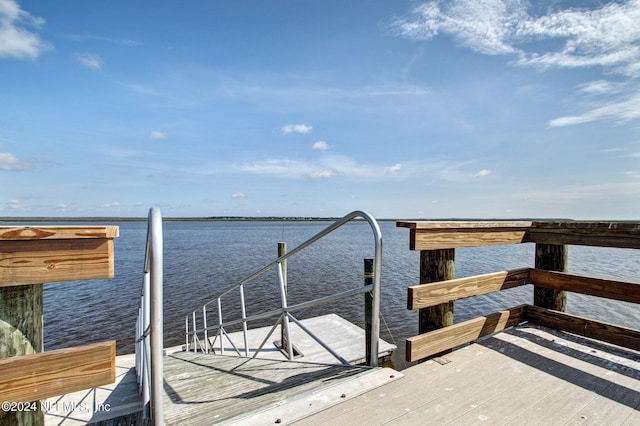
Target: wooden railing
x,y
434,298
30,257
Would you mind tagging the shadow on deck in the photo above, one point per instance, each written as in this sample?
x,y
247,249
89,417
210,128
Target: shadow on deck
x,y
205,389
525,375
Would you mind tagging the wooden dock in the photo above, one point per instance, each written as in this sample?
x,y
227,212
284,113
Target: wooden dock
x,y
514,371
210,388
528,375
525,375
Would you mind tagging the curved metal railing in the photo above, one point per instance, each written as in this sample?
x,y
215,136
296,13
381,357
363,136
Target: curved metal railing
x,y
284,313
149,332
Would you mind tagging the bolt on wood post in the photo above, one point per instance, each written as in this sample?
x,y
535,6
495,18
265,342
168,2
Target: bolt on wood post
x,y
282,250
21,333
436,265
368,306
552,257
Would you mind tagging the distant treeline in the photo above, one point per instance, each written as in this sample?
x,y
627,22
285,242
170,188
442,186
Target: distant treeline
x,y
181,219
238,218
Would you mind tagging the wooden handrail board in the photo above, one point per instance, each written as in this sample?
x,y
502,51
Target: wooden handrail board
x,y
455,225
434,235
602,234
432,294
12,233
44,375
51,260
437,341
610,333
435,240
617,290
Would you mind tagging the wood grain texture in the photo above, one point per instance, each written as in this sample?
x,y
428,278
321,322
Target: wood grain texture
x,y
437,341
46,374
431,294
603,234
430,235
45,261
57,232
617,290
423,239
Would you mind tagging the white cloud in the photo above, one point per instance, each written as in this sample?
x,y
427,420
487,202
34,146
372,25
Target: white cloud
x,y
483,173
9,161
239,195
296,128
321,146
323,174
113,205
392,170
607,37
157,134
90,61
15,40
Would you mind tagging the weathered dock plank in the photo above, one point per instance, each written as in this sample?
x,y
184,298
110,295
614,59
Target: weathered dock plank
x,y
205,389
347,339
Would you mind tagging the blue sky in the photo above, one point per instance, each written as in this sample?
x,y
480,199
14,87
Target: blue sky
x,y
405,109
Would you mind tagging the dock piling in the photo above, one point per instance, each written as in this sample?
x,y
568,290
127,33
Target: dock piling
x,y
436,265
552,257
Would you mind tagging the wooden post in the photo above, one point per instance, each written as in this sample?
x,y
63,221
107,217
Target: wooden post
x,y
30,256
436,265
282,250
21,333
368,306
552,257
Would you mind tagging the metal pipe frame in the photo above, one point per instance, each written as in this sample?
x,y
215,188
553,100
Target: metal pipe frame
x,y
374,289
149,330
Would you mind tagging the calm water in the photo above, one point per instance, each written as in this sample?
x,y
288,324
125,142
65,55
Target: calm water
x,y
202,258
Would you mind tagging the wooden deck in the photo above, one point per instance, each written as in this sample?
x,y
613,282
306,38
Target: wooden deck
x,y
345,338
526,375
205,389
201,389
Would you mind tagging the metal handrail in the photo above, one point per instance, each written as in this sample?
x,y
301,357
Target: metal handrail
x,y
284,313
149,328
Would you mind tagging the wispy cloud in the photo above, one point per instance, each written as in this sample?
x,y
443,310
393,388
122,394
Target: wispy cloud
x,y
607,37
16,205
90,61
93,37
296,128
9,162
617,107
157,134
17,38
324,168
459,172
239,195
482,173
